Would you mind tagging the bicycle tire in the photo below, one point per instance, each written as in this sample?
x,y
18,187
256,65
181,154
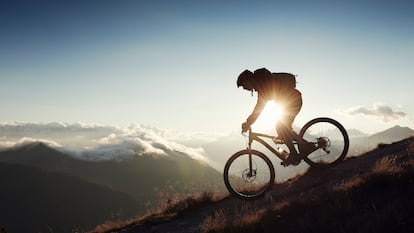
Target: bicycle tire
x,y
239,184
338,143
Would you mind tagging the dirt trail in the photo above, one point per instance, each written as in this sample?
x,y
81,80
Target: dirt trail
x,y
314,181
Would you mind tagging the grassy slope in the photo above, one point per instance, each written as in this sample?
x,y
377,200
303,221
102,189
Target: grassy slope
x,y
377,203
378,200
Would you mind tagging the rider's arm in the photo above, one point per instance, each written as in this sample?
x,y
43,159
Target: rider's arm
x,y
261,102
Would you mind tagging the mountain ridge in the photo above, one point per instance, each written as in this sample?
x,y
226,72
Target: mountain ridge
x,y
46,201
394,133
143,177
362,144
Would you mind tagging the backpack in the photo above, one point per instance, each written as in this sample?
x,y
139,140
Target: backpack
x,y
285,81
281,82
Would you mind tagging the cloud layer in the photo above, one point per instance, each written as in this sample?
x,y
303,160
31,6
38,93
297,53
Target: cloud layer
x,y
96,142
381,111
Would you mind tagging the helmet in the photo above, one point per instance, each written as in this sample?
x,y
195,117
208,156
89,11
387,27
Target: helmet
x,y
243,77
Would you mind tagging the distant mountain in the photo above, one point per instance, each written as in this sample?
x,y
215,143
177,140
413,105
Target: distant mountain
x,y
362,144
143,177
354,133
393,134
33,200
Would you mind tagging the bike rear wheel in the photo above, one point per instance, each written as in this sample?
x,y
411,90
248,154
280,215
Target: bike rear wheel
x,y
331,140
249,184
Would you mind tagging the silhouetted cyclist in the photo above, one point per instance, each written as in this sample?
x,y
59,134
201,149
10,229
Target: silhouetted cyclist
x,y
281,88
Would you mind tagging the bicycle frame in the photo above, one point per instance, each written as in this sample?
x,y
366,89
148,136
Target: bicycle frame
x,y
257,137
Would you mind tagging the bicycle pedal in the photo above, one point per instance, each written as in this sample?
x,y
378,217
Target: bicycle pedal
x,y
287,163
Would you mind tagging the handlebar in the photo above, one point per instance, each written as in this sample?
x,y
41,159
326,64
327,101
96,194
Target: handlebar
x,y
243,132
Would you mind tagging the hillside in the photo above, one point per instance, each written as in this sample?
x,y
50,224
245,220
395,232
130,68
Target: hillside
x,y
33,200
369,193
146,178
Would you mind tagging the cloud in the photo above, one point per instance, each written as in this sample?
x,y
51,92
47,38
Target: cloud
x,y
5,143
96,142
381,111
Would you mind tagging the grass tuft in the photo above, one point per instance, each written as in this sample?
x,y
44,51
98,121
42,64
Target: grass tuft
x,y
176,206
215,223
387,165
171,207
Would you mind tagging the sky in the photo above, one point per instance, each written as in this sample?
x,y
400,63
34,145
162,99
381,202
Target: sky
x,y
174,64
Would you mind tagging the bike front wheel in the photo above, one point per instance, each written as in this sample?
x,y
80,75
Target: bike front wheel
x,y
330,139
248,174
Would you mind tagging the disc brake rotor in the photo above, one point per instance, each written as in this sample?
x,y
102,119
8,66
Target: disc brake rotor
x,y
249,177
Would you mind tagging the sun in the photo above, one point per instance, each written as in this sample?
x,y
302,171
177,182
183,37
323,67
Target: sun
x,y
271,114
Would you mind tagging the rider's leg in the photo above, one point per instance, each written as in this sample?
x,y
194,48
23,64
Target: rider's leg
x,y
285,131
284,126
288,136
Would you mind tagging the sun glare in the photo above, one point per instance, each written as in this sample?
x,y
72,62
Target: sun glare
x,y
272,113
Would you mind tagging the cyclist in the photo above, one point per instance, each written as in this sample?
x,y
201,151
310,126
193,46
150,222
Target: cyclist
x,y
289,98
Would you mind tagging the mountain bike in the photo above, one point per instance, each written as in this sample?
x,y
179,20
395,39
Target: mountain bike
x,y
249,174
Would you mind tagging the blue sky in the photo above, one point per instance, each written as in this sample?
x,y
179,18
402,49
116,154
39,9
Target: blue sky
x,y
173,64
